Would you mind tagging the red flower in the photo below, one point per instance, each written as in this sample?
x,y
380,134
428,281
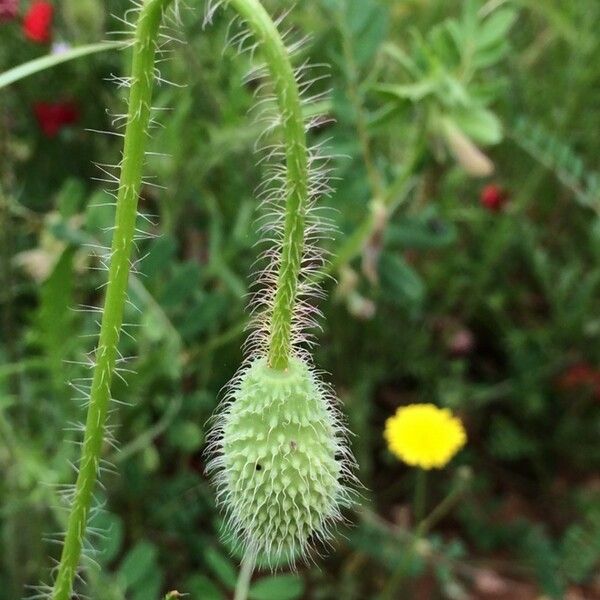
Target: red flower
x,y
580,376
8,10
53,116
493,197
37,22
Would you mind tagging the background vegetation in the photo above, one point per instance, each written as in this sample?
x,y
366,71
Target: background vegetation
x,y
466,274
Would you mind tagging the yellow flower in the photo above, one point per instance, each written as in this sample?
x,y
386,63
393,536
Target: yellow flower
x,y
423,435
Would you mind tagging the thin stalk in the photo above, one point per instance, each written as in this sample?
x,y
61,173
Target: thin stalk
x,y
393,196
243,583
447,504
401,570
398,574
356,99
140,96
288,98
420,500
7,321
29,364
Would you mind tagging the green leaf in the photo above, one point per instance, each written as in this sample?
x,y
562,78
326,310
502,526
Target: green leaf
x,y
490,55
495,28
480,124
110,543
580,549
185,281
54,318
160,256
99,216
409,91
400,282
403,59
62,230
507,442
51,60
206,313
138,564
540,552
200,587
445,41
373,26
71,197
425,231
150,586
186,435
278,587
221,566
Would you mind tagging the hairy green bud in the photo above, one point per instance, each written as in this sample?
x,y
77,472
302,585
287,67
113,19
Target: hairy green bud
x,y
281,460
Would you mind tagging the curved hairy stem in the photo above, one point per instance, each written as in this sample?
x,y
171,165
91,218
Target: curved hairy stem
x,y
112,318
288,98
292,124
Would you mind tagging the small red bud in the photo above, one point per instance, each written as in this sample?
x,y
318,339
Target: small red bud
x,y
493,197
37,22
53,116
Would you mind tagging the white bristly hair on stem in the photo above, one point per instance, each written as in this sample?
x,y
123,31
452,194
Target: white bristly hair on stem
x,y
278,446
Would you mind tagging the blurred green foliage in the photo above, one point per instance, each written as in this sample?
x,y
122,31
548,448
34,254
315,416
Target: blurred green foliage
x,y
491,313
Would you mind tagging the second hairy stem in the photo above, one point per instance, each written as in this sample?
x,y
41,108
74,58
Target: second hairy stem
x,y
297,184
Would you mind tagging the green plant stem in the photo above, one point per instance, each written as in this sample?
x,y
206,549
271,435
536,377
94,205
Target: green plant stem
x,y
50,60
398,574
445,506
144,49
292,124
419,502
29,364
145,439
424,525
393,196
243,583
420,496
356,99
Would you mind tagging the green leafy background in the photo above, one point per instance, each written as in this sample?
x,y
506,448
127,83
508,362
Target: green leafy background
x,y
520,81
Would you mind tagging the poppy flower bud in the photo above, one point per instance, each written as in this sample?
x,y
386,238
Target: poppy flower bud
x,y
281,460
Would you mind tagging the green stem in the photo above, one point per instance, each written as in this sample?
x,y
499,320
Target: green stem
x,y
425,524
140,96
392,197
419,502
30,364
356,99
420,495
292,124
243,583
443,508
398,574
